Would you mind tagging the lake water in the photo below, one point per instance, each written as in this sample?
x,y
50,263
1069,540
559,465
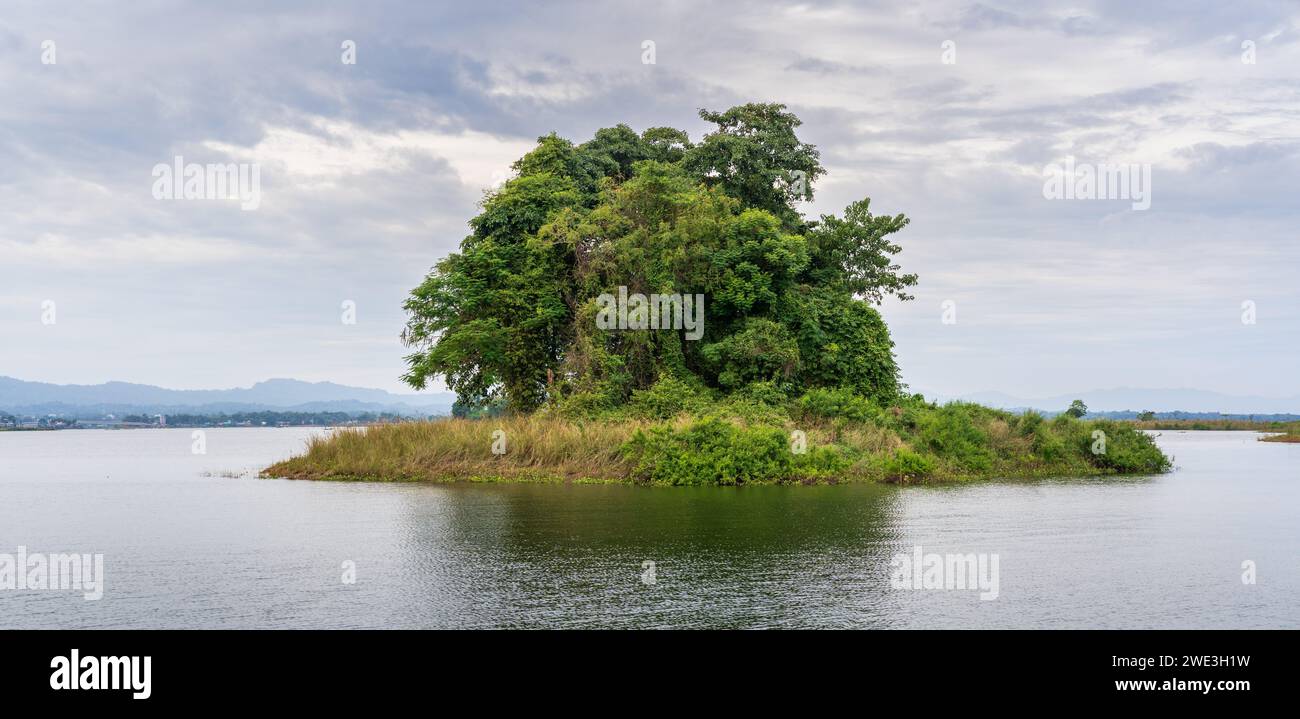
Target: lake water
x,y
197,541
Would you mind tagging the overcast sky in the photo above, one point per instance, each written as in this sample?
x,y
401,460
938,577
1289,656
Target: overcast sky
x,y
369,172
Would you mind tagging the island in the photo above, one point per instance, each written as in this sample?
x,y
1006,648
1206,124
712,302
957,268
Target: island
x,y
641,308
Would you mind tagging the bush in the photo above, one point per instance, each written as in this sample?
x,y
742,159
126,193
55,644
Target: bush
x,y
583,405
768,393
762,351
950,433
819,463
907,466
668,398
714,451
837,403
1029,423
757,403
1127,450
1047,445
843,342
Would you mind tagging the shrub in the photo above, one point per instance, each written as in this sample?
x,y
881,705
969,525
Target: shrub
x,y
950,433
907,466
1029,423
583,405
837,403
1047,445
668,398
1128,450
757,403
768,393
713,451
819,463
763,350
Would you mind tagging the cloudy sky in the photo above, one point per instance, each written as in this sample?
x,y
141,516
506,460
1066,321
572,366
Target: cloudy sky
x,y
370,170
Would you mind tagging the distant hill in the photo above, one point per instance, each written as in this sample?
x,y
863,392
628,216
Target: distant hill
x,y
40,398
1136,400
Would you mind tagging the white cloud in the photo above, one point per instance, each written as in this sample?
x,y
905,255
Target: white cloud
x,y
61,251
335,150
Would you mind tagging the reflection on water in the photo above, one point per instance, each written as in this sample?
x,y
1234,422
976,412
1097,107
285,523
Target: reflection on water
x,y
521,555
186,547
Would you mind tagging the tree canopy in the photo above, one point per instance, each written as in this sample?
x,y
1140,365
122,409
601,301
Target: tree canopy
x,y
788,302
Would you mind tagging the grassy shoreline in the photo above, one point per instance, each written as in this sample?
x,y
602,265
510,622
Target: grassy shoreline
x,y
827,440
1230,425
1274,431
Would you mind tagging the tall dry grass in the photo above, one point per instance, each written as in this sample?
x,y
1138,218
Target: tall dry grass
x,y
537,447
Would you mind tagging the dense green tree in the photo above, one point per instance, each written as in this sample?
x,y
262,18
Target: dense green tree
x,y
492,318
512,316
843,342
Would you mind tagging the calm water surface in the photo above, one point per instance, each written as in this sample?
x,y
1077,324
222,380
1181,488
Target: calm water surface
x,y
198,541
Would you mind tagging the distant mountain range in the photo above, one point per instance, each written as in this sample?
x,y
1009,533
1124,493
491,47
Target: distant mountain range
x,y
39,398
1137,400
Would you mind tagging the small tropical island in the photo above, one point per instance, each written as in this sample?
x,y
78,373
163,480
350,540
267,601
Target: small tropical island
x,y
641,308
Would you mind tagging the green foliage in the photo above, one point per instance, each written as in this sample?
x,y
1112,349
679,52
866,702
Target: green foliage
x,y
907,466
1127,450
667,398
853,253
509,321
837,403
511,315
762,351
1048,444
714,451
584,405
757,403
755,157
746,437
491,320
482,411
770,394
952,433
709,451
1077,409
842,343
1029,422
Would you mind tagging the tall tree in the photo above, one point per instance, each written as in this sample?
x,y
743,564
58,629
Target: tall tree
x,y
755,156
511,316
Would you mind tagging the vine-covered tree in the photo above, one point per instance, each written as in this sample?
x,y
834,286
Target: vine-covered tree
x,y
512,315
